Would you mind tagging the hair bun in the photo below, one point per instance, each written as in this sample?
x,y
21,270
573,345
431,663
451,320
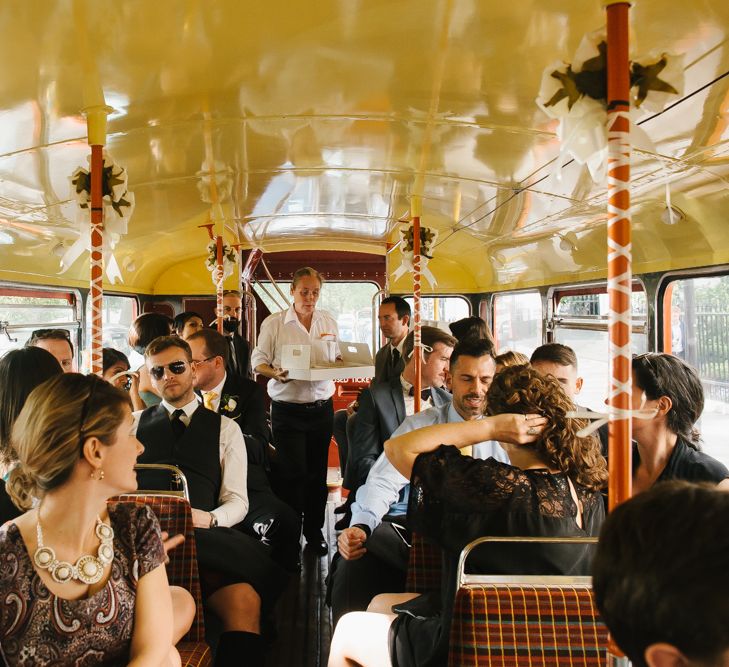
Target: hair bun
x,y
21,487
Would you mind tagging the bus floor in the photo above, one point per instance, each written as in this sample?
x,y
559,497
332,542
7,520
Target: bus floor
x,y
303,619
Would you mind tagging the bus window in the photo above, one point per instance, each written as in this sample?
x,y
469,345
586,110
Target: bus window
x,y
118,314
518,321
441,309
349,302
696,328
26,312
581,321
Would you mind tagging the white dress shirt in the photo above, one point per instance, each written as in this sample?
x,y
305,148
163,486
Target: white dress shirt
x,y
386,490
284,328
233,497
410,400
218,390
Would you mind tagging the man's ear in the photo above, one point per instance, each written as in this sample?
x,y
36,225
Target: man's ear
x,y
578,385
665,655
406,320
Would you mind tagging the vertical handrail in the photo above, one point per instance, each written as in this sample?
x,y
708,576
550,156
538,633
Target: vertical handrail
x,y
274,283
252,328
375,323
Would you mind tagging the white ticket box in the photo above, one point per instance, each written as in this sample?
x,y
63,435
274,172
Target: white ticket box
x,y
303,362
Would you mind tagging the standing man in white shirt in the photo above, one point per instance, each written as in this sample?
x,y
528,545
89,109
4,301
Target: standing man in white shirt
x,y
301,411
211,452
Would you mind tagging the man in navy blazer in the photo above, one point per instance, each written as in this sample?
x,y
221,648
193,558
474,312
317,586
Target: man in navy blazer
x,y
384,406
269,518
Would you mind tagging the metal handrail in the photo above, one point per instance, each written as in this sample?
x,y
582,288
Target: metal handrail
x,y
375,327
274,283
178,476
519,579
252,328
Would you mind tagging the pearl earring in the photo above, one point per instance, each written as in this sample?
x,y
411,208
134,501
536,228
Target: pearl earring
x,y
93,474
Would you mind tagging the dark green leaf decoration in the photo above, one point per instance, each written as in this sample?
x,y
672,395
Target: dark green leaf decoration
x,y
82,183
426,239
591,80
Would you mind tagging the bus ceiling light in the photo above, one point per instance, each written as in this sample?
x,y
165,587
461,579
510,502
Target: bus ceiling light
x,y
672,215
568,242
129,265
5,239
59,249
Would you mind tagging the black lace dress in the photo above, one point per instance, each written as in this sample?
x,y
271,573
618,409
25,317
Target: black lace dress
x,y
455,499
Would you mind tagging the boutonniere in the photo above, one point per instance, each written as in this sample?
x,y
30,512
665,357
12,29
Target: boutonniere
x,y
229,403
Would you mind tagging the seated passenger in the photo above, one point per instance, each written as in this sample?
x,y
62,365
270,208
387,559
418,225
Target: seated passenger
x,y
238,577
383,406
669,394
560,361
471,327
660,576
21,371
188,323
115,369
58,343
374,549
510,358
142,332
98,570
269,519
551,488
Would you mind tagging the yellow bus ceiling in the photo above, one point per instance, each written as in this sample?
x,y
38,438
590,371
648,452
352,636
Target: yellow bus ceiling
x,y
324,113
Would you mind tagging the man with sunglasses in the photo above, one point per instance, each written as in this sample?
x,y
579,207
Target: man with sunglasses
x,y
269,519
239,579
58,343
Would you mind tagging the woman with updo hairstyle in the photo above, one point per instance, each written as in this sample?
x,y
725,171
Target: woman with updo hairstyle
x,y
668,400
550,488
142,332
81,582
21,371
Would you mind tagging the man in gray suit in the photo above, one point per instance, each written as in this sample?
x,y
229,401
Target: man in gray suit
x,y
394,319
384,405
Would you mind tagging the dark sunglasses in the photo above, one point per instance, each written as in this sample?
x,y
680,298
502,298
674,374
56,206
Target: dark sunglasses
x,y
176,367
41,334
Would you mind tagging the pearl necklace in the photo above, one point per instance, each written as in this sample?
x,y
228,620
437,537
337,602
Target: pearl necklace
x,y
88,569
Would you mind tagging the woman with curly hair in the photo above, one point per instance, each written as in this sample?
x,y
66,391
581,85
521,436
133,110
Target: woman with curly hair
x,y
551,488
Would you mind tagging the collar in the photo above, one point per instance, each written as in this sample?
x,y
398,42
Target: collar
x,y
406,385
188,409
399,346
291,315
218,389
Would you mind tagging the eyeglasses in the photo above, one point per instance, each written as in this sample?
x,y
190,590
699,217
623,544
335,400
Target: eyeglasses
x,y
176,367
202,361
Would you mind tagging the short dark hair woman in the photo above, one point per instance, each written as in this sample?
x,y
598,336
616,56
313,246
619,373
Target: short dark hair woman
x,y
551,488
669,396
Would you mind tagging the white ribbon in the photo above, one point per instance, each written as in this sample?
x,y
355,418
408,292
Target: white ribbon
x,y
426,248
230,257
600,418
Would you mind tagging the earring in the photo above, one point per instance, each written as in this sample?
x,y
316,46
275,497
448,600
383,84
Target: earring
x,y
93,474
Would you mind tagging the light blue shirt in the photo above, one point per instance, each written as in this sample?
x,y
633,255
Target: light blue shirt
x,y
386,491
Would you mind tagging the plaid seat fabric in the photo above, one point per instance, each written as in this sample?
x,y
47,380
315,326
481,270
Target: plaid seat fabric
x,y
519,625
424,566
175,516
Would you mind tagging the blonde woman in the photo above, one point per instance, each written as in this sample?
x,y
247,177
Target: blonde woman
x,y
82,582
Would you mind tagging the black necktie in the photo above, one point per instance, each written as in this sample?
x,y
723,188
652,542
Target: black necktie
x,y
424,393
395,357
178,426
233,359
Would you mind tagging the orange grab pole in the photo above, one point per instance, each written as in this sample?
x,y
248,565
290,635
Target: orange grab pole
x,y
219,282
417,349
96,291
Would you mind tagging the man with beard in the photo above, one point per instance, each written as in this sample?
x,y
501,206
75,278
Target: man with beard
x,y
374,549
237,575
240,351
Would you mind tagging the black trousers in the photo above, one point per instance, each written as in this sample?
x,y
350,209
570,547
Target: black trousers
x,y
301,434
383,569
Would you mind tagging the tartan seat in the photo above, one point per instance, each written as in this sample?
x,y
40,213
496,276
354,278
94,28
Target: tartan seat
x,y
515,621
424,566
175,516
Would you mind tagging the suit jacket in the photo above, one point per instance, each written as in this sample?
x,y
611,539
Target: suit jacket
x,y
243,356
242,400
384,371
381,411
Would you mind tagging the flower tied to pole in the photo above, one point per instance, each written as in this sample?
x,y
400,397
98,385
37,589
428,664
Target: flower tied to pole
x,y
428,238
229,257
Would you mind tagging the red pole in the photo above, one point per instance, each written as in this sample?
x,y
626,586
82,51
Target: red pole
x,y
417,347
96,292
219,286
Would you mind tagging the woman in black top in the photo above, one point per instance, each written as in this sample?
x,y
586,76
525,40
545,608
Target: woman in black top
x,y
670,398
21,371
551,488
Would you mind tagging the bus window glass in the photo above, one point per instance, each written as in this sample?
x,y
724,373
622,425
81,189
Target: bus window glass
x,y
518,322
23,314
581,323
441,309
349,302
117,315
696,321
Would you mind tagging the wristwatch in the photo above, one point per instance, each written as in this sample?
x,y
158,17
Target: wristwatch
x,y
213,520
